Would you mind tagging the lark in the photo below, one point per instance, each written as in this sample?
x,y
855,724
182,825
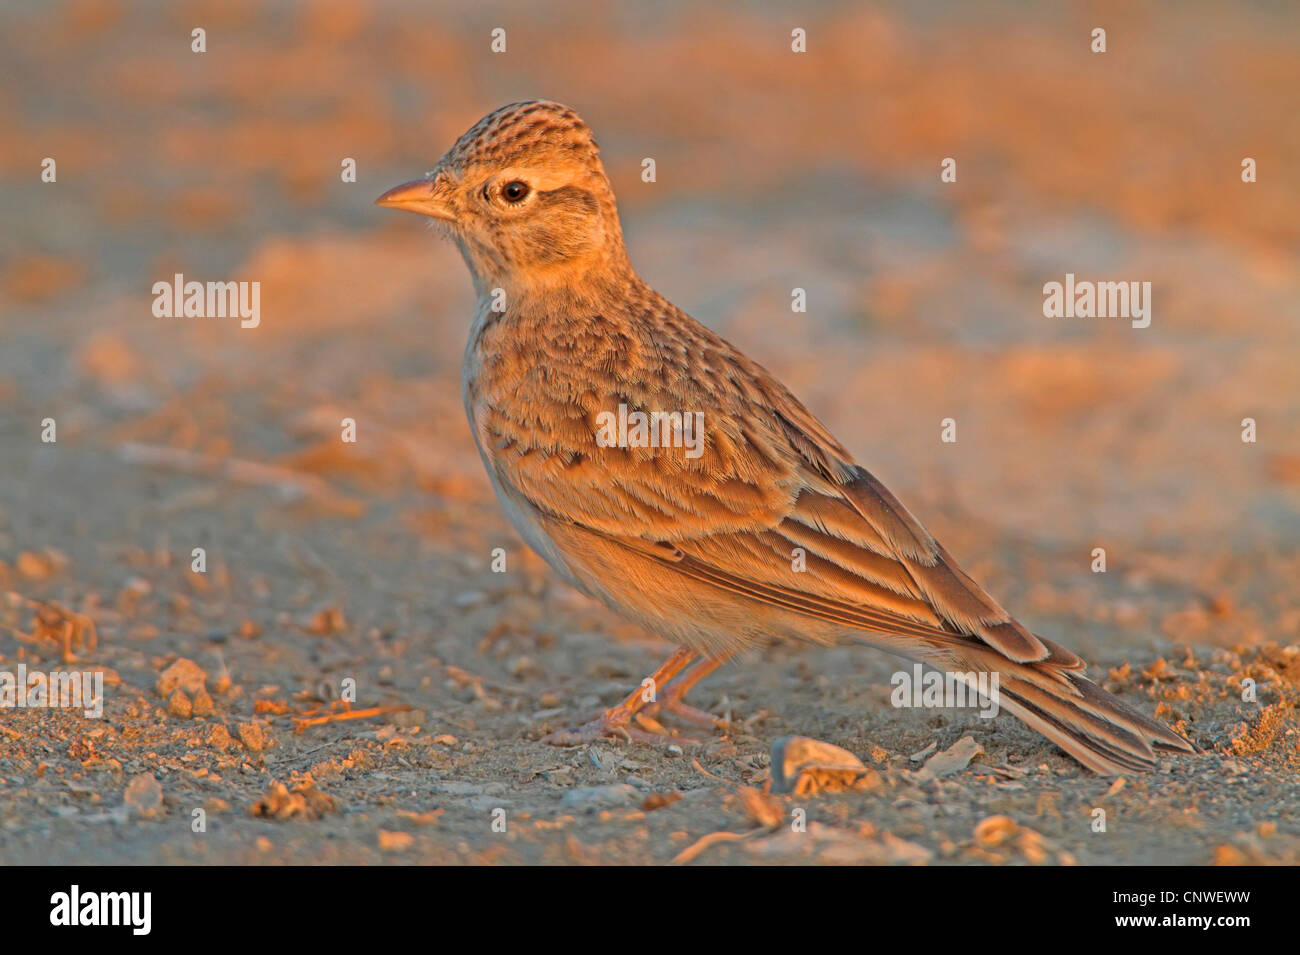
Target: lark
x,y
771,532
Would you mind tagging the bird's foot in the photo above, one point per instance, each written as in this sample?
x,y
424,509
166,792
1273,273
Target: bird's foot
x,y
674,704
634,718
673,698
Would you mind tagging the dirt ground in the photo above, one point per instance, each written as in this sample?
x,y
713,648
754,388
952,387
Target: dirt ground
x,y
371,561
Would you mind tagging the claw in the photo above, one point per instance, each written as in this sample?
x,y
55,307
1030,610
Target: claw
x,y
691,714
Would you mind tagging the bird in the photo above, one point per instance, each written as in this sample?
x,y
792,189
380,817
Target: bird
x,y
759,529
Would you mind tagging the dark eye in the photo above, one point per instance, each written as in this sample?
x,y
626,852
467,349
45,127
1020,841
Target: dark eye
x,y
515,191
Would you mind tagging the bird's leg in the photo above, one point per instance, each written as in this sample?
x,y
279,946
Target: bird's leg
x,y
616,720
672,700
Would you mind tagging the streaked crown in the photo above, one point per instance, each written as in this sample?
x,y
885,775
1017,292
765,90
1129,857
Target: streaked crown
x,y
532,131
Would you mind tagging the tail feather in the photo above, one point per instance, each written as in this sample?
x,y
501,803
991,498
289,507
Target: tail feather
x,y
1094,727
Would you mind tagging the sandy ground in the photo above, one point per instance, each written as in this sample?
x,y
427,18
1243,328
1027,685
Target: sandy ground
x,y
370,562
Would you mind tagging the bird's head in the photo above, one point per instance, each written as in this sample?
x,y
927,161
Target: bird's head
x,y
525,196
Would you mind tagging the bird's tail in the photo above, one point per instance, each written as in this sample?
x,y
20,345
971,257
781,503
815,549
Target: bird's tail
x,y
1094,727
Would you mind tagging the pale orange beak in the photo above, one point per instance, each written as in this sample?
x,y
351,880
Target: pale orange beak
x,y
428,197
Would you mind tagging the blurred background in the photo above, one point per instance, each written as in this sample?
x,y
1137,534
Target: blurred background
x,y
775,170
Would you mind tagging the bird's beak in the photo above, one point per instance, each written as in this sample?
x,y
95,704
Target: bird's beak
x,y
426,196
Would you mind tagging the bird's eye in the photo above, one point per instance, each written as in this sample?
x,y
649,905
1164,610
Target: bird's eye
x,y
515,191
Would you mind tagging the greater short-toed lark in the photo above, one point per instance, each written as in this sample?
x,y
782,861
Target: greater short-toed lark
x,y
763,527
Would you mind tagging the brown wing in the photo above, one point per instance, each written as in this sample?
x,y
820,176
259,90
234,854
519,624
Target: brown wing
x,y
853,572
771,481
